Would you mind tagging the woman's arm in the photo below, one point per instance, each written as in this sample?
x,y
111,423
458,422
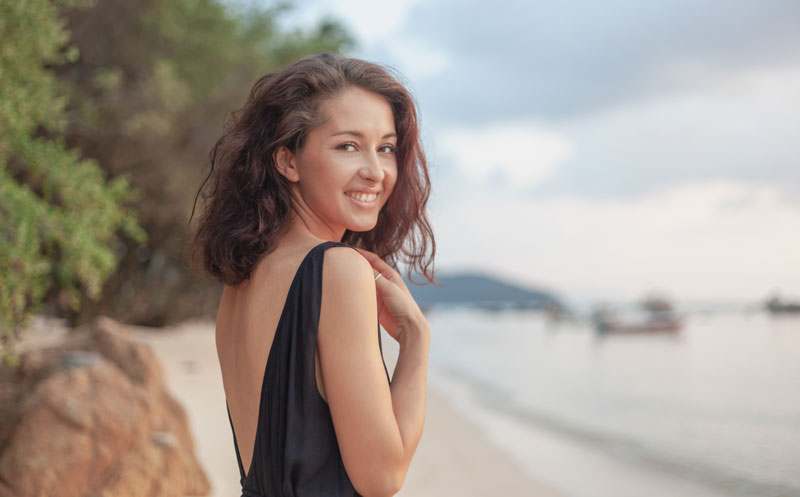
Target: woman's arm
x,y
377,426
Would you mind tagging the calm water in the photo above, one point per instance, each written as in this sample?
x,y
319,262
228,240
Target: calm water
x,y
713,411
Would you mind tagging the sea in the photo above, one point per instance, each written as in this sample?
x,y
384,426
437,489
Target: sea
x,y
712,410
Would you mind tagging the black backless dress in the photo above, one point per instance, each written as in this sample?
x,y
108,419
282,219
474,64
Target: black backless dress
x,y
296,453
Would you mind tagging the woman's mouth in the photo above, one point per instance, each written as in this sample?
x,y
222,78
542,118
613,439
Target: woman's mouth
x,y
363,199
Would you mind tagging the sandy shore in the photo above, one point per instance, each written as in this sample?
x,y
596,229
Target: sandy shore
x,y
453,457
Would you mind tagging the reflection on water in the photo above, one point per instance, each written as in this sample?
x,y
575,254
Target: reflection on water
x,y
718,402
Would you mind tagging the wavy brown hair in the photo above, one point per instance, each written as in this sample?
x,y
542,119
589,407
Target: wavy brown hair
x,y
250,201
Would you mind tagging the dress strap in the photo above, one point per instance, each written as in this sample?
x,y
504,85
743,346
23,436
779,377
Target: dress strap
x,y
235,444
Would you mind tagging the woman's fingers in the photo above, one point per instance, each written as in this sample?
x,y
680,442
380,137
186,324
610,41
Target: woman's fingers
x,y
386,270
382,267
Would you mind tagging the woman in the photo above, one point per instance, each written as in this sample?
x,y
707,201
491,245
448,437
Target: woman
x,y
321,178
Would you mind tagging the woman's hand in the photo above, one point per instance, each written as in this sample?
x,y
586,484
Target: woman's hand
x,y
396,307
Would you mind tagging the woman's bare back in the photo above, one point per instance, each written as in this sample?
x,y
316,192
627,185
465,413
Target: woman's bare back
x,y
247,319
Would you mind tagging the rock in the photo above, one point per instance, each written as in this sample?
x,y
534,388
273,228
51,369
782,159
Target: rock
x,y
136,359
91,417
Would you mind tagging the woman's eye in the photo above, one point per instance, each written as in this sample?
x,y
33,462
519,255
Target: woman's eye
x,y
391,148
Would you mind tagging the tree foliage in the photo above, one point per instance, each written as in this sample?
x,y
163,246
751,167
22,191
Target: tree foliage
x,y
61,219
150,92
108,111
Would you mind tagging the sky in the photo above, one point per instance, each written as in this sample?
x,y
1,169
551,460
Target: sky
x,y
603,150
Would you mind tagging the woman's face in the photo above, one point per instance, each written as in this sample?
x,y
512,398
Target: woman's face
x,y
353,151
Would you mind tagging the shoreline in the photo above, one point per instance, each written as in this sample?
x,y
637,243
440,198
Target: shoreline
x,y
454,456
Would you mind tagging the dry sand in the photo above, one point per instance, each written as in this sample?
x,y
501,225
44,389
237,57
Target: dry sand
x,y
453,457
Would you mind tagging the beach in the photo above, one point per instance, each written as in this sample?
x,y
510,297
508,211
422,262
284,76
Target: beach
x,y
528,409
454,457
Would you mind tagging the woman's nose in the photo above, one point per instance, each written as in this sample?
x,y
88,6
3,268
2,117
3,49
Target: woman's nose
x,y
373,168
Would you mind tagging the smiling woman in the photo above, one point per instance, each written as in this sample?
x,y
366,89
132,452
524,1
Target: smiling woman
x,y
320,181
319,101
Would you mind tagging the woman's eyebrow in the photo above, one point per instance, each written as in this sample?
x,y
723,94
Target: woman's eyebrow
x,y
361,135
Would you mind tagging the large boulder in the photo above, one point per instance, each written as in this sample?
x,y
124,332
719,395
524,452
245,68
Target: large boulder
x,y
90,416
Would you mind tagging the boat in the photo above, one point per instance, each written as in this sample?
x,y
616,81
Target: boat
x,y
652,314
776,305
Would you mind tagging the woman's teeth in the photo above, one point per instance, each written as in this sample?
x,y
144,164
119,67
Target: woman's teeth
x,y
364,198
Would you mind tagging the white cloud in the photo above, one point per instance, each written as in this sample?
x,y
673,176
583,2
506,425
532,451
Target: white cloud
x,y
743,127
716,240
417,59
370,22
378,28
524,152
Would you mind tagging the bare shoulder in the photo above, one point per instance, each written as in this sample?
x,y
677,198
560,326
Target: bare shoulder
x,y
349,298
339,262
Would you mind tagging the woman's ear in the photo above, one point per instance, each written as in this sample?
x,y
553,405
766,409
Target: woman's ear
x,y
285,163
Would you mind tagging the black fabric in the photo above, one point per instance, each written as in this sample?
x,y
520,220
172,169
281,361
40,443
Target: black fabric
x,y
296,453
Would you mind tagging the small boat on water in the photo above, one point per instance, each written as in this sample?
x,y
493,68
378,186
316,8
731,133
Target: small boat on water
x,y
652,314
776,305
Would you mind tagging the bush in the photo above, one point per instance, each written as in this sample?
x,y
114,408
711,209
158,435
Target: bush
x,y
61,219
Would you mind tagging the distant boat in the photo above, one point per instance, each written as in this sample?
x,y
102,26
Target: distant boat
x,y
776,305
653,314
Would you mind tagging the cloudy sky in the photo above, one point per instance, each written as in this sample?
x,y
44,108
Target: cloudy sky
x,y
604,149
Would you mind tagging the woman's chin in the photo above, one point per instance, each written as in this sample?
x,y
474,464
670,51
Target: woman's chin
x,y
360,225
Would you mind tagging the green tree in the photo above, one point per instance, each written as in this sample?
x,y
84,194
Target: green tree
x,y
150,92
61,220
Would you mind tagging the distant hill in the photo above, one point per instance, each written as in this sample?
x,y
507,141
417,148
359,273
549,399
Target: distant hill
x,y
480,290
